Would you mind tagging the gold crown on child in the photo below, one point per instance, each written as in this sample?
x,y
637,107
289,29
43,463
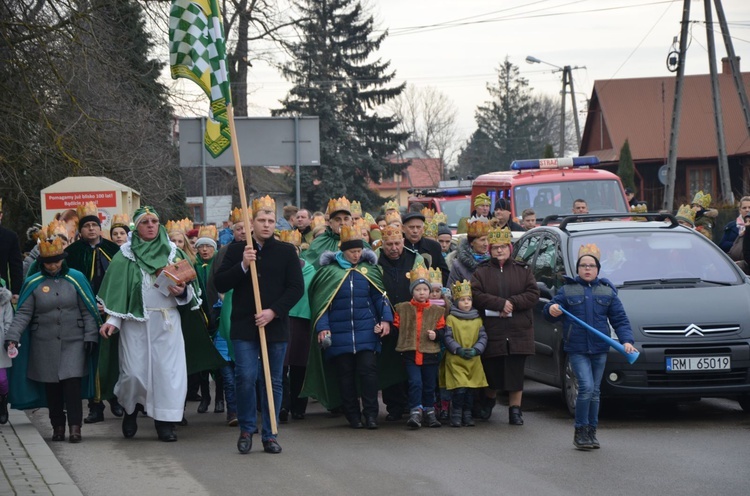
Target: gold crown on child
x,y
461,289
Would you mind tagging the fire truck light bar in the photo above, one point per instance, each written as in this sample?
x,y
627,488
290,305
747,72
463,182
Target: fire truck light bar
x,y
554,163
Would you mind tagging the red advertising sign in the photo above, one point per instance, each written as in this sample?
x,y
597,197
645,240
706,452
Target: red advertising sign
x,y
63,201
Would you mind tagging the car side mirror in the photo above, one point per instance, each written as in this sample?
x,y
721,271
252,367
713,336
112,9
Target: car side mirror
x,y
545,291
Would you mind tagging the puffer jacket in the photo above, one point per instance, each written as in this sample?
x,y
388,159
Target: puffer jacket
x,y
595,303
353,312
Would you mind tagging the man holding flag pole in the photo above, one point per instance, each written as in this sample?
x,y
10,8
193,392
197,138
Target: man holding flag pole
x,y
198,53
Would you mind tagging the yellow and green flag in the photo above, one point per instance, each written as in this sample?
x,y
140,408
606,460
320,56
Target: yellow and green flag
x,y
197,51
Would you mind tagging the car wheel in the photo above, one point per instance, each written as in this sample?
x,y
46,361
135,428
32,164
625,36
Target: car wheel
x,y
744,401
569,387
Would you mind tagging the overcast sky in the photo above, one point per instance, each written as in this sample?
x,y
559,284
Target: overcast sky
x,y
456,45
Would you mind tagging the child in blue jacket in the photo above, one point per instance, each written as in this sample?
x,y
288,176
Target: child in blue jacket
x,y
595,302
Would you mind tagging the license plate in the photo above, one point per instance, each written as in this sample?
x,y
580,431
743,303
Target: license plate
x,y
691,364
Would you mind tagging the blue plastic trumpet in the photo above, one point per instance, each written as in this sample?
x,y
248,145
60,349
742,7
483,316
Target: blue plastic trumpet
x,y
631,357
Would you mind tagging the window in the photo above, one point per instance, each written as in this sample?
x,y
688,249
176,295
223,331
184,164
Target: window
x,y
549,267
196,212
700,178
525,249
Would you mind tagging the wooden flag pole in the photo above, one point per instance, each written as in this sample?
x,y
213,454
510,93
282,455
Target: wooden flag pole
x,y
253,269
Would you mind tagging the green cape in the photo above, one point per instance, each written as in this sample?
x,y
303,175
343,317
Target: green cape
x,y
321,381
302,309
328,241
25,393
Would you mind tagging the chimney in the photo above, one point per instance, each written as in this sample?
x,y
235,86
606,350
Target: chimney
x,y
726,68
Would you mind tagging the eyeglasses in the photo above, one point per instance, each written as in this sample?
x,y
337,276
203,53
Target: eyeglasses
x,y
587,266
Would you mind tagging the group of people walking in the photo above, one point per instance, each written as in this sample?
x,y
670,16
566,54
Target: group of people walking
x,y
352,310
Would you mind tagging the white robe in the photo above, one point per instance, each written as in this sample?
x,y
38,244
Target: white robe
x,y
153,368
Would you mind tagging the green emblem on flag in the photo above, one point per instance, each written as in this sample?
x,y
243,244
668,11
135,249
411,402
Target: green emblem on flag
x,y
197,51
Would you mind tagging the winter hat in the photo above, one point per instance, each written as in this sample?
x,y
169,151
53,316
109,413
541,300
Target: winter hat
x,y
419,275
444,229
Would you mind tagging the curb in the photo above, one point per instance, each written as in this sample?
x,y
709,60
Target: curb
x,y
53,474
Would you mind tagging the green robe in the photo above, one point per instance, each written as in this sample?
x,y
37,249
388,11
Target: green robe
x,y
321,381
80,255
27,394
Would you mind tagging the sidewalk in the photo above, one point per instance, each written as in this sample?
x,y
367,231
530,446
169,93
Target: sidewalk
x,y
28,464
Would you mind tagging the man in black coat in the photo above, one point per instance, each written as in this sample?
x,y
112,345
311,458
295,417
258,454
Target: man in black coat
x,y
413,226
281,286
11,261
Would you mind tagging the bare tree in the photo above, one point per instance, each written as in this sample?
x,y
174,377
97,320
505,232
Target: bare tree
x,y
429,116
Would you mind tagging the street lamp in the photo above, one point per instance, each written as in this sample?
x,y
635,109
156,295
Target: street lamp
x,y
567,79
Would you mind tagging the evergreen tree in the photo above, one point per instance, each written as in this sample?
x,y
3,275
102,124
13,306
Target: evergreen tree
x,y
549,152
511,121
626,168
335,79
477,154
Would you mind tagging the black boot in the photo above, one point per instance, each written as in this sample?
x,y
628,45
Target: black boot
x,y
431,418
515,417
466,418
487,405
415,418
219,401
165,431
130,423
592,437
3,408
96,413
205,393
581,438
456,411
115,407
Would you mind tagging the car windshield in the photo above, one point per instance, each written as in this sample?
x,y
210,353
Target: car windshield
x,y
656,256
455,209
556,198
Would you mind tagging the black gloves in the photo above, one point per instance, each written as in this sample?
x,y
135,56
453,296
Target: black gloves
x,y
89,347
7,344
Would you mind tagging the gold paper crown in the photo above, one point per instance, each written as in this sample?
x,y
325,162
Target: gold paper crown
x,y
392,216
264,203
369,219
54,229
361,224
317,221
417,273
87,210
431,229
686,213
208,232
591,250
461,289
336,204
236,215
428,213
482,199
121,220
498,236
51,248
702,200
478,227
292,236
390,205
392,233
356,208
641,208
440,218
352,233
183,226
436,276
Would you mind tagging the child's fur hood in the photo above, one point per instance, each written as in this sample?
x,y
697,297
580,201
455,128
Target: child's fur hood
x,y
5,296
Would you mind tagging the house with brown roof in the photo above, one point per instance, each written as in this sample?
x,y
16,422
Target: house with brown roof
x,y
640,110
422,172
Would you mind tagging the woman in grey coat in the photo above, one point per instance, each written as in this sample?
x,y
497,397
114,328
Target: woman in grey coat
x,y
57,307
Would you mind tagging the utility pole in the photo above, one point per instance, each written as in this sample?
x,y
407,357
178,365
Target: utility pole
x,y
676,112
726,184
733,63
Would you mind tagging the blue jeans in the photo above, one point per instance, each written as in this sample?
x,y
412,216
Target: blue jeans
x,y
589,370
247,370
422,383
227,373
